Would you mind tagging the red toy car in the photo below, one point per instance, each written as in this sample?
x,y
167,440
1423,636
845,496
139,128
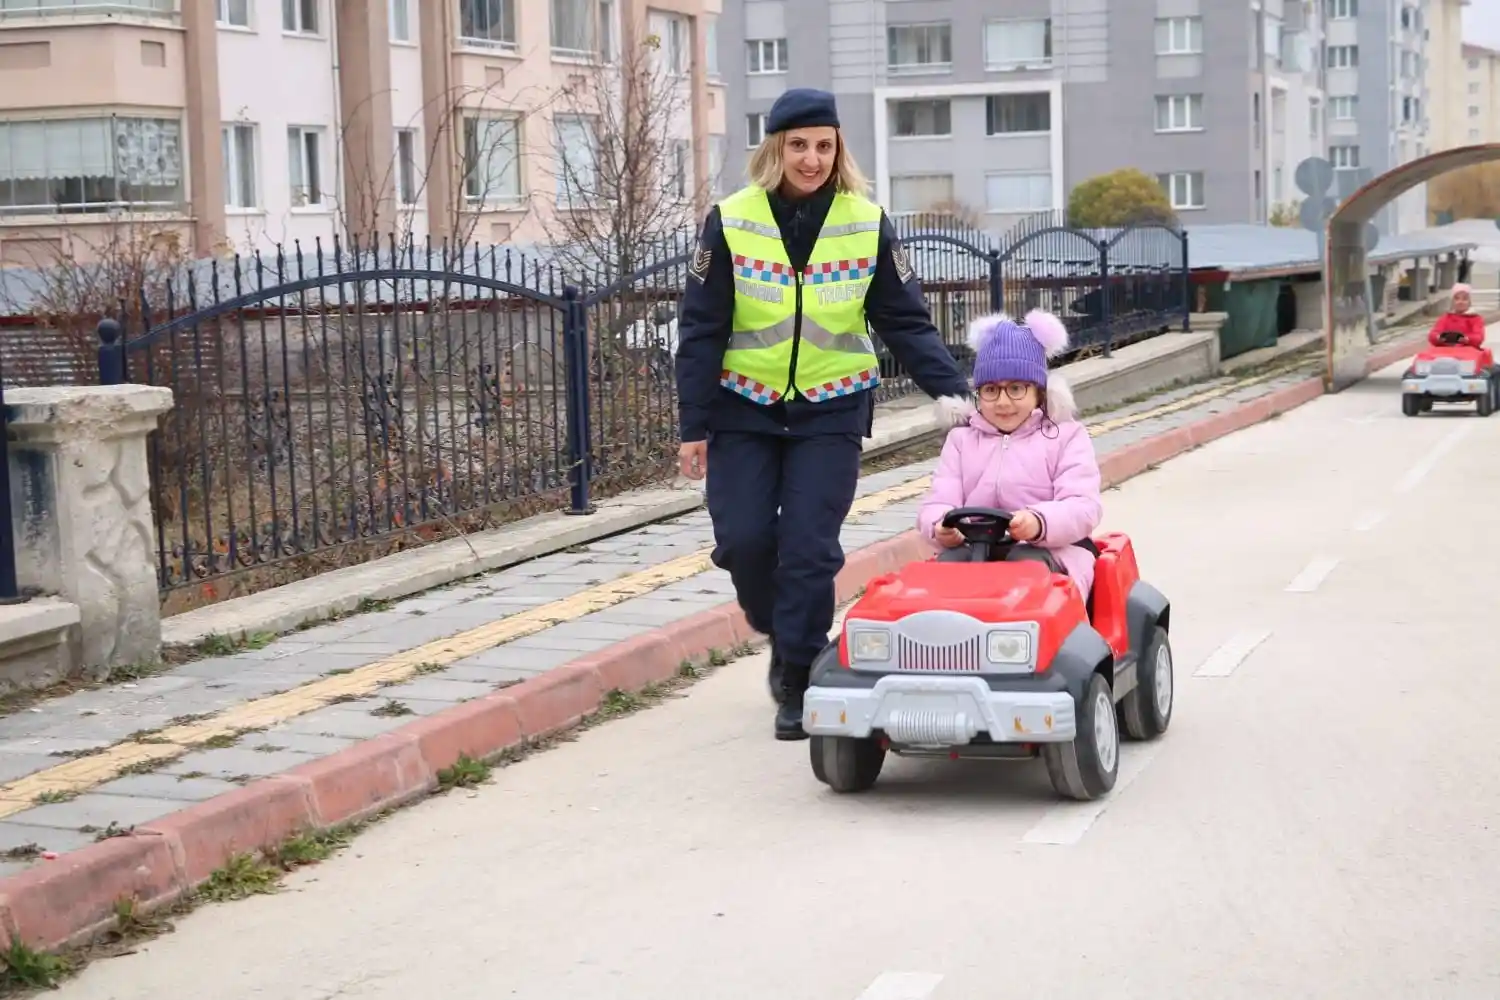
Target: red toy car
x,y
1452,372
994,659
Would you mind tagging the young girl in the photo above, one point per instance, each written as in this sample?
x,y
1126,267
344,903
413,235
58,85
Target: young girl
x,y
1024,450
1460,319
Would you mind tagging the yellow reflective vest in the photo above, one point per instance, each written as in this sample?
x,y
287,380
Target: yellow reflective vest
x,y
800,333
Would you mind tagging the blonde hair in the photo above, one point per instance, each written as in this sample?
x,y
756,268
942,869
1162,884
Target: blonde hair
x,y
767,168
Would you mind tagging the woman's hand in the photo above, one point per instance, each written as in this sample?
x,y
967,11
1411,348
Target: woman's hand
x,y
948,538
692,459
1025,526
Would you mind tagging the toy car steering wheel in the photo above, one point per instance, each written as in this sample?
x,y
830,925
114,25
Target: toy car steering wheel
x,y
1450,337
980,525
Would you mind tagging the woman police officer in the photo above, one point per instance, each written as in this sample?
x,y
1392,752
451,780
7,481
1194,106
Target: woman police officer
x,y
775,368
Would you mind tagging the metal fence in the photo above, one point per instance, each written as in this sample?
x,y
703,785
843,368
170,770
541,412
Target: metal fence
x,y
345,402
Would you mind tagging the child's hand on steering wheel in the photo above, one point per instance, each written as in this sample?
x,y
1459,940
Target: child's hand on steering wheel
x,y
1025,526
948,538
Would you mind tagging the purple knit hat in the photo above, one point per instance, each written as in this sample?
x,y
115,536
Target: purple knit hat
x,y
1007,351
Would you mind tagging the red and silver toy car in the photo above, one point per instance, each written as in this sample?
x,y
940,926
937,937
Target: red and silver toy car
x,y
988,658
1451,372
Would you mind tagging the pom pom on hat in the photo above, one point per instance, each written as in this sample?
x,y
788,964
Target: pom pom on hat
x,y
1049,331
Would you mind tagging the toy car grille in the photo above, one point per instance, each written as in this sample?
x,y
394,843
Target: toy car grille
x,y
1445,366
953,658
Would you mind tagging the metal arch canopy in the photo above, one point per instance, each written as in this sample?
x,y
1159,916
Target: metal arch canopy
x,y
1347,310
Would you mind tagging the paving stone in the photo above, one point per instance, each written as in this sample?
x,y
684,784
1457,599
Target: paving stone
x,y
18,765
526,658
351,721
101,730
428,604
347,628
15,834
231,762
304,743
278,650
161,785
413,632
9,868
475,614
555,639
93,809
591,627
370,651
496,677
531,589
420,707
437,688
52,746
652,613
318,663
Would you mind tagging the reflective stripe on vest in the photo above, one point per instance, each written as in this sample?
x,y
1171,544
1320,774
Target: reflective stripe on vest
x,y
834,354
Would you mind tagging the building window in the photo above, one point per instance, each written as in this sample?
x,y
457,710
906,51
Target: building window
x,y
400,20
1473,88
492,158
1473,63
921,118
1411,109
1179,113
299,16
682,168
718,152
1314,117
1343,10
1012,193
573,27
577,173
1473,111
1344,157
1176,36
90,165
607,30
766,55
755,129
1011,113
920,192
234,13
406,165
919,46
239,166
671,31
711,45
305,165
1184,190
1343,57
1343,109
1474,134
487,23
1010,44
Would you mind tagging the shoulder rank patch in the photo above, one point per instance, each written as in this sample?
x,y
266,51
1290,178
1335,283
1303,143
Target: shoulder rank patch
x,y
703,257
902,261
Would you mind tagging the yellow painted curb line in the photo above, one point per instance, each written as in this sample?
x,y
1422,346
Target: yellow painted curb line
x,y
84,773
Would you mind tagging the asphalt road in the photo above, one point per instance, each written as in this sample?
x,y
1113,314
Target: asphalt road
x,y
1319,822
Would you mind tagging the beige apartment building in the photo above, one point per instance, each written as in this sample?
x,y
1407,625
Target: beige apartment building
x,y
1480,106
242,124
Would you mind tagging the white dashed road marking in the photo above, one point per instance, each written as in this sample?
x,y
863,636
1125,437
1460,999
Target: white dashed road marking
x,y
1066,823
902,986
1422,469
1227,658
1369,521
1312,575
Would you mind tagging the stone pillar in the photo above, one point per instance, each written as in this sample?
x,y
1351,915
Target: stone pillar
x,y
81,511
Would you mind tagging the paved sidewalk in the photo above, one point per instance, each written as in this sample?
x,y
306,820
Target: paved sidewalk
x,y
317,710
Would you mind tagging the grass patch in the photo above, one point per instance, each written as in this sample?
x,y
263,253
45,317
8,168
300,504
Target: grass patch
x,y
53,796
465,772
392,709
25,969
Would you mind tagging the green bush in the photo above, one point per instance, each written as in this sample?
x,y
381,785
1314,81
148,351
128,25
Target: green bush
x,y
1125,197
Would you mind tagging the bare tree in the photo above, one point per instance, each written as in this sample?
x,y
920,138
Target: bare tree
x,y
621,155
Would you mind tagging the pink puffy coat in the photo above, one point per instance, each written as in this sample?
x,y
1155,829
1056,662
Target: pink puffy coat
x,y
1049,469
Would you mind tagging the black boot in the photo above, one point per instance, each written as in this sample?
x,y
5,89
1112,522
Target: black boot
x,y
789,713
774,674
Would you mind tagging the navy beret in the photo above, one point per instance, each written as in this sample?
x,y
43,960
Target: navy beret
x,y
802,107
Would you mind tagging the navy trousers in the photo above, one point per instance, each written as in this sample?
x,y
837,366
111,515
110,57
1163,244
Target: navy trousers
x,y
777,505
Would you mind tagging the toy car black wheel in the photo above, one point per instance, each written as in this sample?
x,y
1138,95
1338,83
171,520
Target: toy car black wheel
x,y
1147,710
846,764
1087,767
1411,405
1485,404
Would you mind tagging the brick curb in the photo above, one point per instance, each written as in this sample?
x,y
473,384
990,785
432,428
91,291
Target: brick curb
x,y
72,899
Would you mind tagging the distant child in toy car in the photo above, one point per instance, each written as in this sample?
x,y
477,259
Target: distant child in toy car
x,y
1024,451
1460,319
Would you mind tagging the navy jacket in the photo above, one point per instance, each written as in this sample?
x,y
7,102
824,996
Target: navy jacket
x,y
894,305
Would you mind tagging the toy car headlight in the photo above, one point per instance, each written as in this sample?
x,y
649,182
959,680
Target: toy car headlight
x,y
1008,647
1468,367
870,644
1422,368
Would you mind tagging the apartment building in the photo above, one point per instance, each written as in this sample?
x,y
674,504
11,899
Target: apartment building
x,y
246,123
1446,74
1477,114
1003,107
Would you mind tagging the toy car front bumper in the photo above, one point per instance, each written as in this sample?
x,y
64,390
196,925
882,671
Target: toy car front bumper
x,y
940,711
1446,385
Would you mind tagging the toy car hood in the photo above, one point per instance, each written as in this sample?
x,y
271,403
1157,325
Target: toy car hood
x,y
993,593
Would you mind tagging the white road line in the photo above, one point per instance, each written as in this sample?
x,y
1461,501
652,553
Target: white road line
x,y
1312,575
1422,469
1227,658
1369,520
1066,823
902,986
